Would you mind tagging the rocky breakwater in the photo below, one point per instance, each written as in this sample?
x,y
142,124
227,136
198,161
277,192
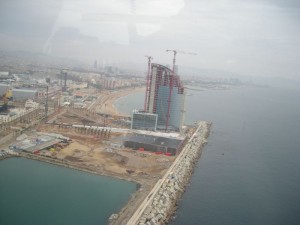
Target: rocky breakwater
x,y
161,201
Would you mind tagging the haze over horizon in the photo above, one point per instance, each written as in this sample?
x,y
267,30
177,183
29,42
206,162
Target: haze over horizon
x,y
259,38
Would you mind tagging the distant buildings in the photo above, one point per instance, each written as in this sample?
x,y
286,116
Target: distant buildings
x,y
18,93
24,94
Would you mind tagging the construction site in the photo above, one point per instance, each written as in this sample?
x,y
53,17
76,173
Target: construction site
x,y
77,126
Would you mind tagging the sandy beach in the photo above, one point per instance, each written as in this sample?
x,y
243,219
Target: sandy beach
x,y
91,153
106,102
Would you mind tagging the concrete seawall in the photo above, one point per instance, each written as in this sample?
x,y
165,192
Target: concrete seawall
x,y
161,201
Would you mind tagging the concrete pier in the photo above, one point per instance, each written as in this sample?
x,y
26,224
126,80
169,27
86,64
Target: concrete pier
x,y
160,202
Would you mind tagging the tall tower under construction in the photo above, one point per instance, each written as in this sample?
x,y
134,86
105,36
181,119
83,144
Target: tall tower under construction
x,y
165,96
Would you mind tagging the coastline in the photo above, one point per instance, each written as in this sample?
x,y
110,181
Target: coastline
x,y
145,184
151,205
109,99
160,203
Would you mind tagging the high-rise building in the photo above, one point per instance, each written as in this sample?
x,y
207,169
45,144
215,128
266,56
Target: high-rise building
x,y
161,100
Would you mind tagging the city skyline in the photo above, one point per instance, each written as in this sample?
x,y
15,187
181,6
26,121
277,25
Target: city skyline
x,y
259,38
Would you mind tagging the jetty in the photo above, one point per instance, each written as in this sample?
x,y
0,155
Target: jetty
x,y
160,203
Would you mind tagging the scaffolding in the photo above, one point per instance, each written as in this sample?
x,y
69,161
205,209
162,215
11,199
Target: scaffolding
x,y
160,96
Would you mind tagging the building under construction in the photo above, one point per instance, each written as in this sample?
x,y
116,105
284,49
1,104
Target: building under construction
x,y
165,96
159,145
143,121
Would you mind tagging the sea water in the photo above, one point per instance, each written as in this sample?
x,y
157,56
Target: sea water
x,y
249,172
33,192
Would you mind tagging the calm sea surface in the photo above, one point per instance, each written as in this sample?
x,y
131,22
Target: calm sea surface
x,y
37,193
249,172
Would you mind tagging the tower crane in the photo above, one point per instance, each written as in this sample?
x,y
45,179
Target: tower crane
x,y
63,72
172,78
148,81
175,53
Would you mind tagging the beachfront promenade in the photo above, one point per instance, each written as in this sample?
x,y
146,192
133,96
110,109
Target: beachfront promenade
x,y
159,205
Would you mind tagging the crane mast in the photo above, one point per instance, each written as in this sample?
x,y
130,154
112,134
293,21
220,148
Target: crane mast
x,y
147,82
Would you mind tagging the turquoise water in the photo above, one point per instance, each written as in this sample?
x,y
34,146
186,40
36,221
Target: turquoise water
x,y
34,193
249,172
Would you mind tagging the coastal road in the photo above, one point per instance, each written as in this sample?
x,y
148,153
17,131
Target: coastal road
x,y
138,213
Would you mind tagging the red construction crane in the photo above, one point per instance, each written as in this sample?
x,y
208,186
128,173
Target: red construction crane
x,y
147,82
171,80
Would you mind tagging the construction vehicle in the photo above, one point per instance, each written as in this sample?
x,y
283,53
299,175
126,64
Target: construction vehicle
x,y
5,98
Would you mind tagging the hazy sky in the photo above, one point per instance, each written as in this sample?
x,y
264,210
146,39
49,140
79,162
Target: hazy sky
x,y
249,37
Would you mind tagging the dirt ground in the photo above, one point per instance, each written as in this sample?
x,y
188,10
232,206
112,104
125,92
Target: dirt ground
x,y
95,154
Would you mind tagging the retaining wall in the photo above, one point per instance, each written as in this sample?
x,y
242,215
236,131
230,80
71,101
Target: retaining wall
x,y
160,202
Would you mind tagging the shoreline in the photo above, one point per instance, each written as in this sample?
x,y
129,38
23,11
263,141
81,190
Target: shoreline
x,y
161,202
145,191
144,184
108,105
124,95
